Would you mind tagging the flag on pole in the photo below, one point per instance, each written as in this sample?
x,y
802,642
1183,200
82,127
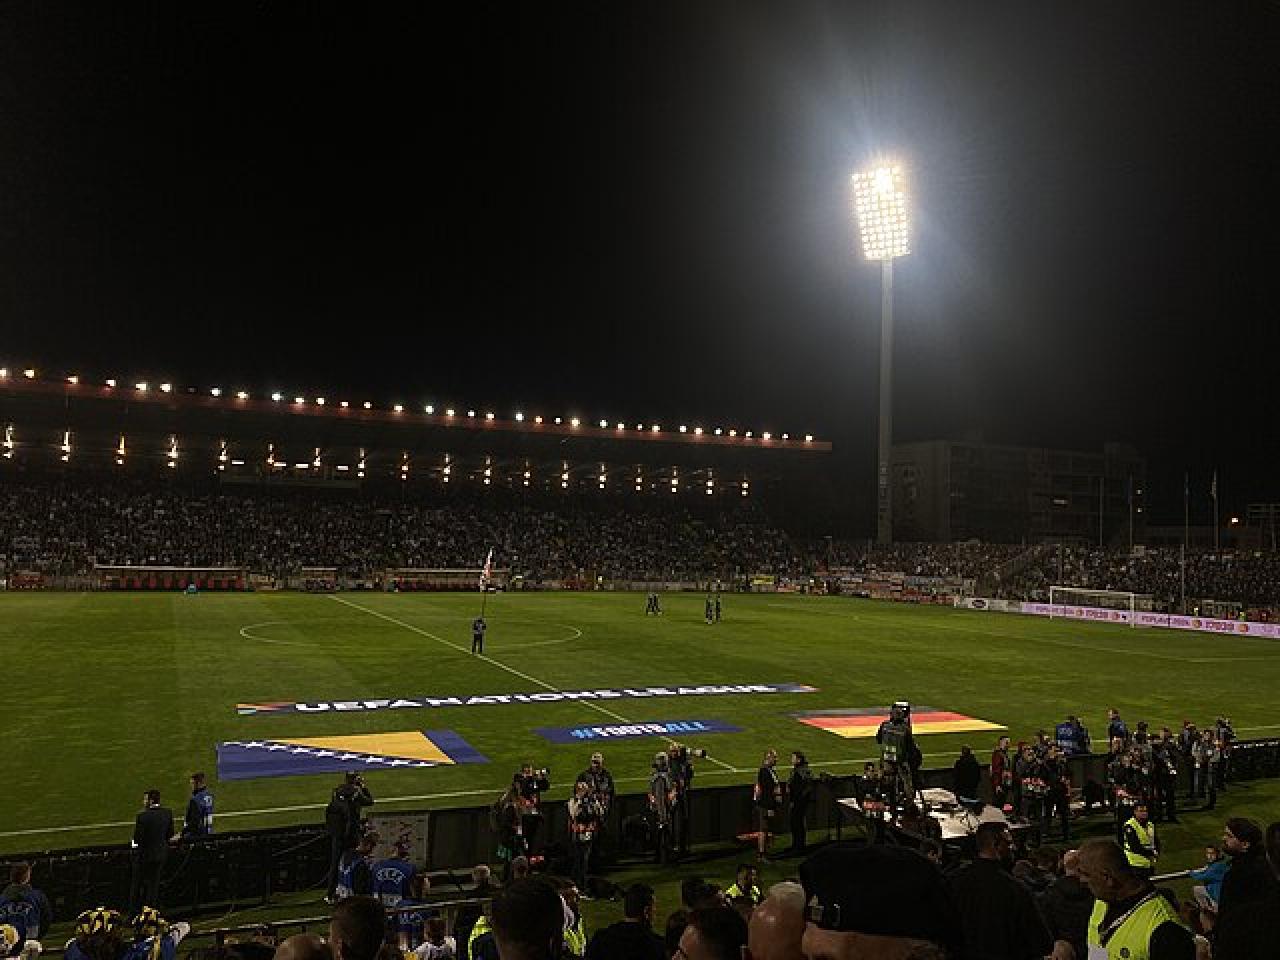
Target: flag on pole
x,y
487,572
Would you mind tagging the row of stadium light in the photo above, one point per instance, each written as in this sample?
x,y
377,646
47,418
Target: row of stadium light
x,y
450,413
224,458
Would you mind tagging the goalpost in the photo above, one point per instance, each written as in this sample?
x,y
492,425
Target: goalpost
x,y
1125,604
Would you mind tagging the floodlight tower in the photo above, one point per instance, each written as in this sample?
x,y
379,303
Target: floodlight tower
x,y
880,203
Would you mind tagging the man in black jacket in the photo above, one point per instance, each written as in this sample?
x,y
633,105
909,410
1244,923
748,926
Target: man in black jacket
x,y
152,832
1067,904
967,773
342,818
632,938
1000,918
800,793
1249,879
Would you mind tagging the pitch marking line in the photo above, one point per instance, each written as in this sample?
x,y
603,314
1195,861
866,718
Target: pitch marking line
x,y
247,632
502,666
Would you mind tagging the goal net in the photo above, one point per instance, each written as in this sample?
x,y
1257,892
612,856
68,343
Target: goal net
x,y
112,577
1106,606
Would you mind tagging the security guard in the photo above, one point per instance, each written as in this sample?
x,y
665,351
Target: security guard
x,y
1131,920
745,885
1141,848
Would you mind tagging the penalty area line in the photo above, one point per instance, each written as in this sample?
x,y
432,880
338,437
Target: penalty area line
x,y
502,666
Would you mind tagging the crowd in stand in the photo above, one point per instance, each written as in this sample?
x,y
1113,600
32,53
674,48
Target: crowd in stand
x,y
67,527
1247,577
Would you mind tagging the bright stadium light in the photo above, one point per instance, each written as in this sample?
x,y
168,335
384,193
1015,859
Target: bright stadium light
x,y
166,388
141,386
471,413
73,379
881,205
398,408
29,373
519,417
697,431
299,400
603,424
367,405
320,401
488,416
277,396
242,395
574,423
429,409
111,382
450,412
215,392
683,428
4,373
343,404
808,438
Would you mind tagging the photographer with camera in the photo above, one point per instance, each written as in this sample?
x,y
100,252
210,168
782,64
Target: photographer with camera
x,y
342,819
680,765
800,791
900,758
585,816
662,798
529,786
768,798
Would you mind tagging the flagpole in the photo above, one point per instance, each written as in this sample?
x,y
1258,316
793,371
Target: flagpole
x,y
1102,495
1130,514
1214,490
1186,522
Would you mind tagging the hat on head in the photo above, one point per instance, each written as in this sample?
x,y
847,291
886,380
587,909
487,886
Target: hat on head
x,y
97,920
883,891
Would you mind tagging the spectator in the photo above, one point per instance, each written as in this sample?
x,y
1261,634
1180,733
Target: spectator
x,y
355,870
152,831
468,914
357,929
967,774
437,945
304,946
393,876
99,935
1130,918
631,938
1253,934
776,928
1209,889
676,922
715,933
859,905
528,921
800,796
154,938
999,917
1249,879
1067,904
20,897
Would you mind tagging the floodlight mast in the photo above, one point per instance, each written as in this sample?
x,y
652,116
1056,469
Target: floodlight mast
x,y
880,204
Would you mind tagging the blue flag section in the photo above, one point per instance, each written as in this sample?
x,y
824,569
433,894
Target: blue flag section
x,y
629,731
407,750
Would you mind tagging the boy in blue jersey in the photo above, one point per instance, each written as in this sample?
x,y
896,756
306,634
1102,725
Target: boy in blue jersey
x,y
154,938
393,876
199,819
355,869
20,901
409,926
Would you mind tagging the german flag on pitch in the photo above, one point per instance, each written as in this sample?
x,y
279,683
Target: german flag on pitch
x,y
865,721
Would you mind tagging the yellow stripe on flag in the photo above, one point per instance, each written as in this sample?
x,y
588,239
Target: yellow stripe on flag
x,y
408,745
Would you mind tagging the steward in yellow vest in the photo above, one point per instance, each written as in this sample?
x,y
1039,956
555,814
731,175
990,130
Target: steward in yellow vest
x,y
1130,920
1141,848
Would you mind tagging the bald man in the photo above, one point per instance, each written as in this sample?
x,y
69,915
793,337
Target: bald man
x,y
777,925
1130,918
304,946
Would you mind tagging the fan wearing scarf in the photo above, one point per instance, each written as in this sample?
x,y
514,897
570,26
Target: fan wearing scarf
x,y
154,938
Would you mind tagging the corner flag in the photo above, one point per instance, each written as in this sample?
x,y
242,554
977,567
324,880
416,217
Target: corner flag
x,y
487,572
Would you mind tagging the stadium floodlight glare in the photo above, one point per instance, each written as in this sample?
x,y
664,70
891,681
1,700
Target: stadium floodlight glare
x,y
398,408
537,419
574,423
111,382
166,388
519,417
4,373
603,424
215,392
343,404
808,438
73,379
299,400
429,409
242,395
733,433
488,416
141,386
881,205
29,373
683,428
697,431
471,413
450,412
277,396
367,405
766,436
319,401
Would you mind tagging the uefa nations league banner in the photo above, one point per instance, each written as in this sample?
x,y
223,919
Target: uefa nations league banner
x,y
281,707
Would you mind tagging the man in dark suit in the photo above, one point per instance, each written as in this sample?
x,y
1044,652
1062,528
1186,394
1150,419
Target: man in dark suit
x,y
152,833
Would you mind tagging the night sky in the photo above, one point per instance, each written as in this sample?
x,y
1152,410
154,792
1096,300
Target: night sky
x,y
642,211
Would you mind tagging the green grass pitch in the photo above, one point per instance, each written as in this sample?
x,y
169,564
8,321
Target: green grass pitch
x,y
109,694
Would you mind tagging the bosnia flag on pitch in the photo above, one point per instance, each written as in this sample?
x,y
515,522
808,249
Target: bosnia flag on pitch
x,y
865,721
289,757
